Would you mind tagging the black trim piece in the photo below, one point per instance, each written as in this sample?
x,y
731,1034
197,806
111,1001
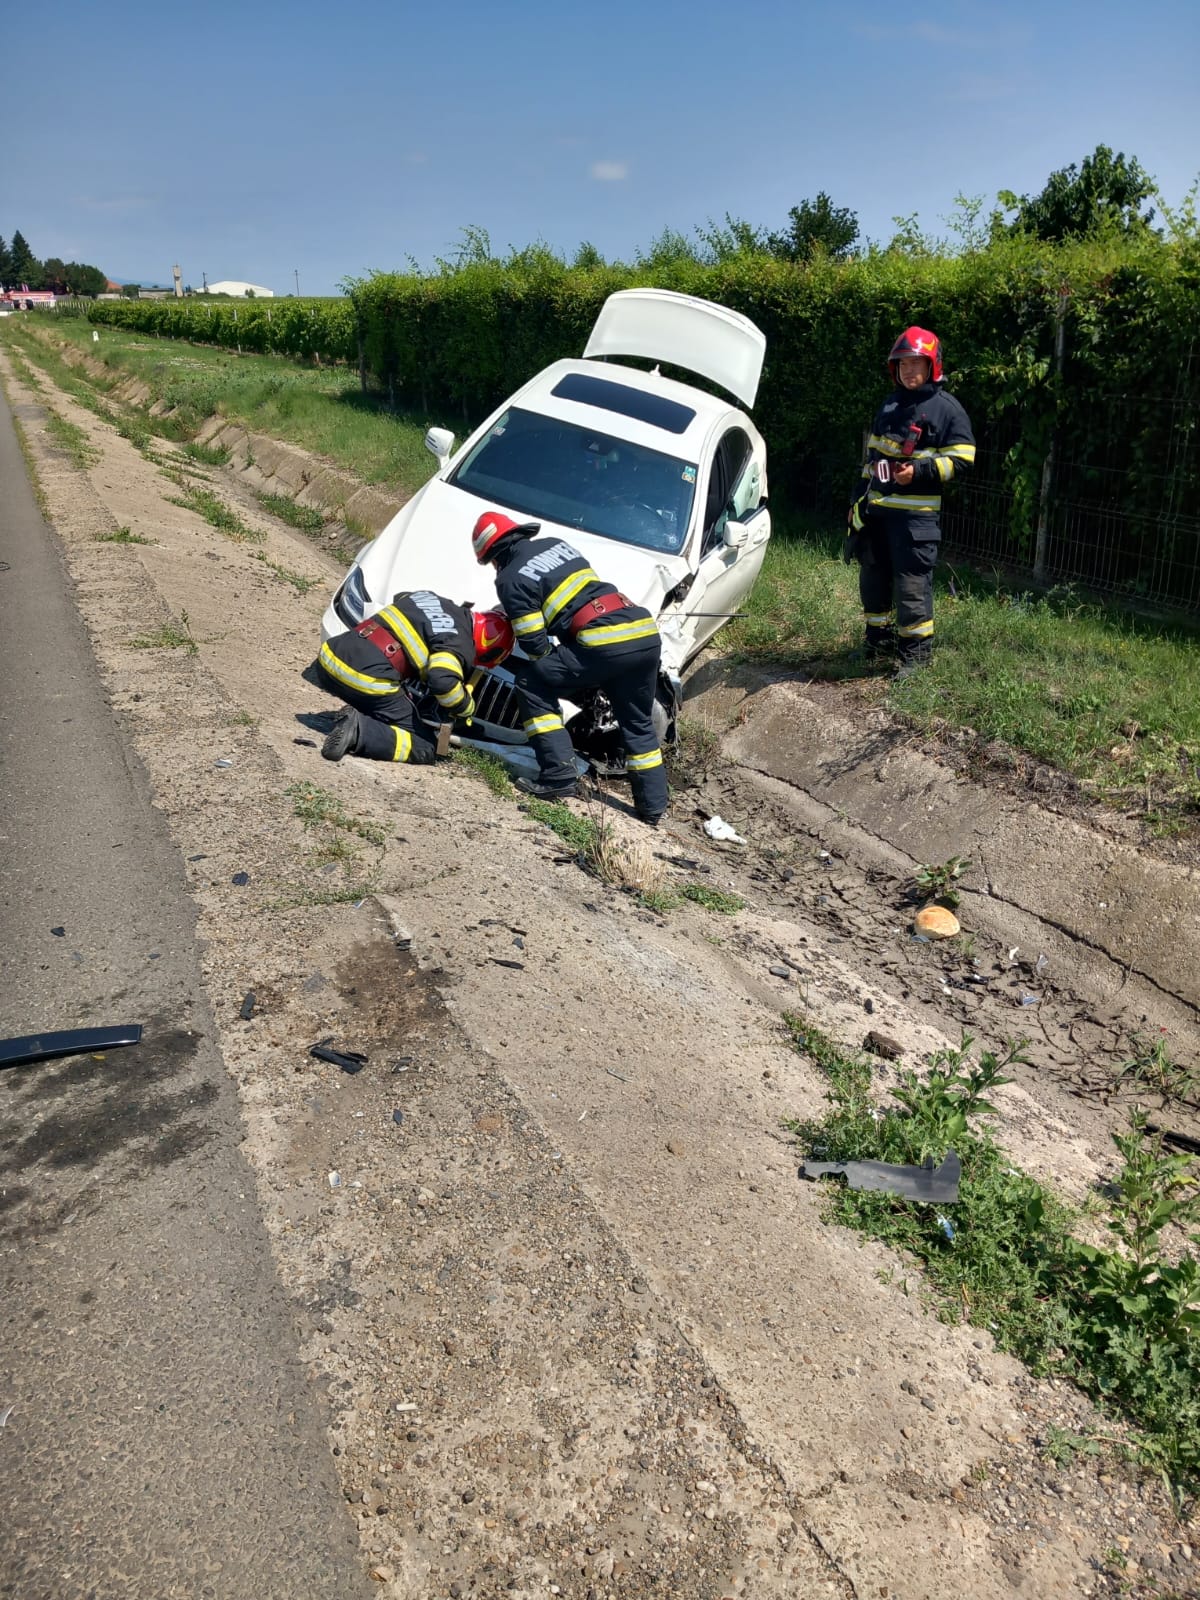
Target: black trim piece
x,y
70,1042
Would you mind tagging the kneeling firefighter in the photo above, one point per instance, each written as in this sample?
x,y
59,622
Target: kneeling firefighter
x,y
419,639
920,440
605,642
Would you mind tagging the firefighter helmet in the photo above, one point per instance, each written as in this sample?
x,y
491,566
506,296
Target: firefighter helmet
x,y
917,342
493,526
493,638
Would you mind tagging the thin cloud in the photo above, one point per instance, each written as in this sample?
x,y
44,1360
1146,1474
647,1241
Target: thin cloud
x,y
609,171
112,206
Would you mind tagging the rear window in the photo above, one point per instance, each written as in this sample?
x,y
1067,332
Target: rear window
x,y
655,409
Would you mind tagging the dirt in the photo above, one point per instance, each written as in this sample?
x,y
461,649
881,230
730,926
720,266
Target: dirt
x,y
584,1330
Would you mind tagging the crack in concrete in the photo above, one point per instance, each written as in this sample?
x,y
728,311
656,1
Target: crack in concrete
x,y
1076,938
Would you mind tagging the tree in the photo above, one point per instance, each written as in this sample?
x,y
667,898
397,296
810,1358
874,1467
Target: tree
x,y
734,237
132,291
83,279
25,268
587,258
815,225
54,275
5,266
670,246
1107,191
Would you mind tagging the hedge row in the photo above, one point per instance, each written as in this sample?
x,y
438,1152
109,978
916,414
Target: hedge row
x,y
457,343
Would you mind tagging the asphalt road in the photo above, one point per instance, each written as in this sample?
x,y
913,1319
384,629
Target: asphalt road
x,y
163,1439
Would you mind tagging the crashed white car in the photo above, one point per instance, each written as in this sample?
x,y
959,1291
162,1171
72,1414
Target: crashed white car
x,y
660,485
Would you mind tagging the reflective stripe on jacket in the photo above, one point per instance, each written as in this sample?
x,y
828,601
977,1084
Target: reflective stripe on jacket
x,y
944,450
543,583
438,643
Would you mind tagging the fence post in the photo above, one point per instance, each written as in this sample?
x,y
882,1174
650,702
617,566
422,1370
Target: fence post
x,y
237,335
1046,495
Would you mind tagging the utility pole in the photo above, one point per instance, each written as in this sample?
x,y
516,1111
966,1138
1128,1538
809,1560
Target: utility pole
x,y
297,272
178,282
204,281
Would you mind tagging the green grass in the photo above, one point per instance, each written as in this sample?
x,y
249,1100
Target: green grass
x,y
493,772
171,636
316,807
1110,698
296,516
580,834
209,455
298,581
71,439
215,512
702,894
1120,1323
320,408
122,536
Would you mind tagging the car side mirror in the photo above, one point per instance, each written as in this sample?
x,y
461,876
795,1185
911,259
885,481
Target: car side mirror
x,y
735,535
440,441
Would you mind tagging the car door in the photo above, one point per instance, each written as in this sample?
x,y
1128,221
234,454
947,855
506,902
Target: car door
x,y
725,573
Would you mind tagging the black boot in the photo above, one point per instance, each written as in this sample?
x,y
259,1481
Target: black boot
x,y
880,647
342,738
547,791
913,655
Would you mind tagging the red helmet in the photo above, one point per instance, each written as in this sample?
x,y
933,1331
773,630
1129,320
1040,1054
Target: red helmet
x,y
917,342
493,638
491,528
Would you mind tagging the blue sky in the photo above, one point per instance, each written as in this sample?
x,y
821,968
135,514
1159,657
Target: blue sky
x,y
253,142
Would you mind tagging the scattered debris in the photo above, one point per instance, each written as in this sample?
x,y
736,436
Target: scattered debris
x,y
1030,999
241,879
335,1180
69,1042
1179,1141
882,1044
225,761
946,1226
1040,965
349,1060
398,1118
781,972
311,742
883,1177
247,1010
718,828
937,922
613,1074
401,1064
59,933
201,857
869,1005
500,961
4,1416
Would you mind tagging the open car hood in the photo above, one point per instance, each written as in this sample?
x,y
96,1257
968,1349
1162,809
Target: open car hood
x,y
660,325
433,551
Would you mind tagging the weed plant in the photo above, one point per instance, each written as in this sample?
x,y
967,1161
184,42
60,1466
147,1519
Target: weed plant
x,y
493,771
170,636
1123,1323
702,894
316,807
936,882
296,516
215,512
71,439
1153,1067
122,536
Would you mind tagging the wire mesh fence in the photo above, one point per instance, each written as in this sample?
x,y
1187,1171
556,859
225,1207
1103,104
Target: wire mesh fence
x,y
1119,511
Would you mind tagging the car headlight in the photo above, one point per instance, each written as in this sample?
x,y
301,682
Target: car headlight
x,y
352,600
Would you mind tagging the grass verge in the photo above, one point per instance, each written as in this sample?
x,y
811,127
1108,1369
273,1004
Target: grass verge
x,y
122,536
71,439
296,516
493,771
215,512
317,807
1122,1323
1111,699
171,636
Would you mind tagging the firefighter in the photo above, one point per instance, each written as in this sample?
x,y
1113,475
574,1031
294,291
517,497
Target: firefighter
x,y
548,590
419,639
920,441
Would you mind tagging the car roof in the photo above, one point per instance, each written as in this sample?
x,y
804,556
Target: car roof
x,y
658,426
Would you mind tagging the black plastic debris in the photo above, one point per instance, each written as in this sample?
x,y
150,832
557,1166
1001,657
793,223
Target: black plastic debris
x,y
69,1042
247,1010
398,1118
1174,1140
59,933
401,1064
499,961
349,1060
201,857
925,1183
241,879
311,742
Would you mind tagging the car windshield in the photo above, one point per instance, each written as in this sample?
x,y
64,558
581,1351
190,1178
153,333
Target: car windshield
x,y
549,469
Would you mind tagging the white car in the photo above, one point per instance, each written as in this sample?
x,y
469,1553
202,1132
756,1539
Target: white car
x,y
660,485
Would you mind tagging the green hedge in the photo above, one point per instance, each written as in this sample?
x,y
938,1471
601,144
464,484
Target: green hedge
x,y
1121,411
324,330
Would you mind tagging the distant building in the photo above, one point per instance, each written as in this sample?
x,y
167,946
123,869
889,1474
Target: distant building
x,y
245,291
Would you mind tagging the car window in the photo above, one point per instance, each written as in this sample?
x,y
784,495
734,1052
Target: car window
x,y
727,485
545,468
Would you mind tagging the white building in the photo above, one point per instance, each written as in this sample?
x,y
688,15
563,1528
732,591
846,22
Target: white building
x,y
245,291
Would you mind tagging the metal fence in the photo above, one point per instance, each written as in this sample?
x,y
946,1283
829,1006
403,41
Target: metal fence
x,y
1119,507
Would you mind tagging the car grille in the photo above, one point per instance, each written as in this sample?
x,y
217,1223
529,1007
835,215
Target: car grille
x,y
496,701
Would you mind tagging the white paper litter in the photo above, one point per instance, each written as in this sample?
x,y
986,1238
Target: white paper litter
x,y
718,828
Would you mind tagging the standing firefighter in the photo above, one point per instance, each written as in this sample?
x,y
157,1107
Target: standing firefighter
x,y
605,642
419,639
921,439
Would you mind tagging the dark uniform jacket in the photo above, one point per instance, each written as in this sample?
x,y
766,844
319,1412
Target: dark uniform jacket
x,y
546,587
437,648
943,448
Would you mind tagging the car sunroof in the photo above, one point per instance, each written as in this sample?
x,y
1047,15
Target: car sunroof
x,y
655,409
